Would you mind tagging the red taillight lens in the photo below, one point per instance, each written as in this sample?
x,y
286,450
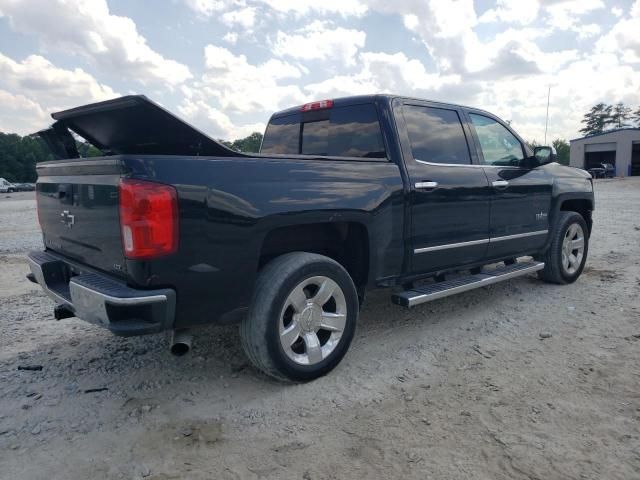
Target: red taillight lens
x,y
320,105
148,219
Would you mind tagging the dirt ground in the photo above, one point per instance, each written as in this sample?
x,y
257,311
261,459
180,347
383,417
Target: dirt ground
x,y
462,388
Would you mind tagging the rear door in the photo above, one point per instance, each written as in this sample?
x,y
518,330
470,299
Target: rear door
x,y
520,195
449,193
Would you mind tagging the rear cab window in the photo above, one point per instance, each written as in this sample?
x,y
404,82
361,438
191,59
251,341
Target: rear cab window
x,y
342,131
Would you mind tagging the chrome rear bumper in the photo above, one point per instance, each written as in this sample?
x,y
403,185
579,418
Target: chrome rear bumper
x,y
103,300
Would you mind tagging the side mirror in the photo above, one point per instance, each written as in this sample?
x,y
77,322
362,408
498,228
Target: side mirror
x,y
544,155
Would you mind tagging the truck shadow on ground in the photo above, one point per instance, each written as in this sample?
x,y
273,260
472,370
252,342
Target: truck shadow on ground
x,y
88,357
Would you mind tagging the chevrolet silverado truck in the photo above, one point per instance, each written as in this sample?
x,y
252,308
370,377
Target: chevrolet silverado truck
x,y
171,230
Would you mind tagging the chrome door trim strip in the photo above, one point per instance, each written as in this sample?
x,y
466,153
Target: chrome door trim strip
x,y
479,242
450,245
519,235
473,165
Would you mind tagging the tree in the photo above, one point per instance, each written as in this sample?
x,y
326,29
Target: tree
x,y
533,144
620,115
597,119
247,144
19,155
636,117
562,150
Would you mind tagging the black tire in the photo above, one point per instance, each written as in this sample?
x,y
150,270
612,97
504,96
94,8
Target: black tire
x,y
554,271
259,330
11,190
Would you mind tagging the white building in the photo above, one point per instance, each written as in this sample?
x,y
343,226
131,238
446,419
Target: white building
x,y
621,148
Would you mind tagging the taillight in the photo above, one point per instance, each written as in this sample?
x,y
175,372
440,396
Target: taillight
x,y
320,105
148,219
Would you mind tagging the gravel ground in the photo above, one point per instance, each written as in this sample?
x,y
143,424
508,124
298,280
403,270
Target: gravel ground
x,y
520,380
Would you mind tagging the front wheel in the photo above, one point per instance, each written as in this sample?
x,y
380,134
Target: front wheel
x,y
567,254
302,317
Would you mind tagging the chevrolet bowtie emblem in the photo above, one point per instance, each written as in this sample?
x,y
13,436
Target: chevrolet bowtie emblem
x,y
68,219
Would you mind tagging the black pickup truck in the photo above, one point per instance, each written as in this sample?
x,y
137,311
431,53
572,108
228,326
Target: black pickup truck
x,y
170,229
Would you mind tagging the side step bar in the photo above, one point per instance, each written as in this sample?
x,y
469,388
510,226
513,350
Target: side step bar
x,y
434,291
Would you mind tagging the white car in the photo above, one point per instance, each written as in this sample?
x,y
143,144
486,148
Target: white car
x,y
6,186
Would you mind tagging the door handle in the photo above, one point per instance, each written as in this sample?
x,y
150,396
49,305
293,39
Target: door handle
x,y
500,183
426,185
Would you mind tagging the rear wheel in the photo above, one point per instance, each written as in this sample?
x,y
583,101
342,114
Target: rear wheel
x,y
567,254
302,317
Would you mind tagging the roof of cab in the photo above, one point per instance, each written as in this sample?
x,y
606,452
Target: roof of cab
x,y
357,99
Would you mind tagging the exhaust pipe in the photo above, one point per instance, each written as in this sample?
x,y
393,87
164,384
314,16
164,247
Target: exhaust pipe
x,y
62,311
181,342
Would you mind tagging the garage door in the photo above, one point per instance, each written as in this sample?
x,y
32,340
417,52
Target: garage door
x,y
600,147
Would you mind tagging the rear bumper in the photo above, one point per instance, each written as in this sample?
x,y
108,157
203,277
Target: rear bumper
x,y
103,300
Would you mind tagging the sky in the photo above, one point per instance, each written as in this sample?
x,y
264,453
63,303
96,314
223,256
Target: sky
x,y
227,65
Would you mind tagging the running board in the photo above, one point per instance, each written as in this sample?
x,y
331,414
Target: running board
x,y
434,291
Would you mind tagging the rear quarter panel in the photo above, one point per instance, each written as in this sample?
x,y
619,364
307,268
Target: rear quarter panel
x,y
228,205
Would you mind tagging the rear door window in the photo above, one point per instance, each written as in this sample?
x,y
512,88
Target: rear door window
x,y
436,135
350,131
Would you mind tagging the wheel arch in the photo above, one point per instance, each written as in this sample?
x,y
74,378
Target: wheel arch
x,y
346,242
583,206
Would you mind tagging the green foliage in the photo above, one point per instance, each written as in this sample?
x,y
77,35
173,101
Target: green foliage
x,y
19,155
87,150
602,116
597,119
250,144
620,115
533,144
636,117
562,150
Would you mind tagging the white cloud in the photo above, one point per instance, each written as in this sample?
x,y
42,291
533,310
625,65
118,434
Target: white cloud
x,y
44,88
293,51
512,11
87,28
383,72
303,7
214,122
244,17
240,86
20,114
206,7
624,37
574,89
320,41
231,38
566,15
236,87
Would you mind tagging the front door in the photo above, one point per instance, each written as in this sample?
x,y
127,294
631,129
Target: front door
x,y
449,194
521,196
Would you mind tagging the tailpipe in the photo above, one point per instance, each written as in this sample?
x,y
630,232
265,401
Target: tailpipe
x,y
181,342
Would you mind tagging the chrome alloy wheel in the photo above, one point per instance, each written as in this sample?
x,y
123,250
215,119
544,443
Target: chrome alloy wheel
x,y
573,248
312,320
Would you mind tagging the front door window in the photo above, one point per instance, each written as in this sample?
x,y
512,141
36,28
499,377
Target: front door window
x,y
499,146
